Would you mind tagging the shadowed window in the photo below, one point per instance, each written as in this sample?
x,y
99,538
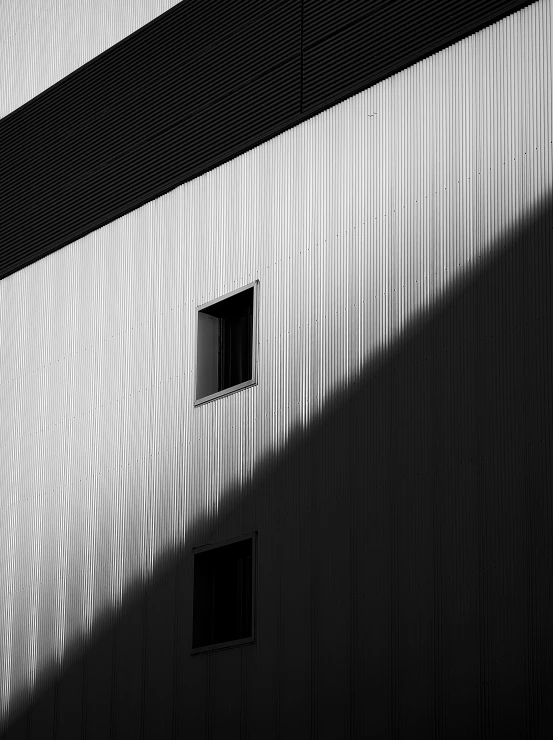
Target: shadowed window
x,y
223,594
225,344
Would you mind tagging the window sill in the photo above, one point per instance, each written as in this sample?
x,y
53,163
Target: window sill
x,y
225,392
223,645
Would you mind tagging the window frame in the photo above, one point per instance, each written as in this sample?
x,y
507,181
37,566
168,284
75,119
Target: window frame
x,y
253,379
242,640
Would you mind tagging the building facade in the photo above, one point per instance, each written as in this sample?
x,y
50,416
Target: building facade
x,y
380,176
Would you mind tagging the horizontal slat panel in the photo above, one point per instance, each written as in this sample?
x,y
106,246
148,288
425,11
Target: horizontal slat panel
x,y
43,42
163,84
345,52
194,145
196,86
323,18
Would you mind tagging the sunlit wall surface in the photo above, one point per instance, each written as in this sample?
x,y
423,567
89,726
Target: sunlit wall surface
x,y
43,41
353,222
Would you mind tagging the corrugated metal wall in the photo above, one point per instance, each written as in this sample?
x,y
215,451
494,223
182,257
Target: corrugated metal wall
x,y
354,223
200,84
43,42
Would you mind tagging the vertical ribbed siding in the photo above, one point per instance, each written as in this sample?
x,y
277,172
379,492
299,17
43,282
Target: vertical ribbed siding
x,y
42,42
353,223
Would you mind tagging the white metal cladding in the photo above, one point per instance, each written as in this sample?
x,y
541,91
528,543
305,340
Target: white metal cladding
x,y
353,223
43,41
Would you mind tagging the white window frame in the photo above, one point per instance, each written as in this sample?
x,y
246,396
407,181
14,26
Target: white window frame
x,y
247,383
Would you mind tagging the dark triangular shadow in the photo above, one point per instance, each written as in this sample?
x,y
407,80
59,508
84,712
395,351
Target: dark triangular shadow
x,y
405,553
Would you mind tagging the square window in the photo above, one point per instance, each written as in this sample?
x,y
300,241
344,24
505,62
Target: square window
x,y
226,344
224,595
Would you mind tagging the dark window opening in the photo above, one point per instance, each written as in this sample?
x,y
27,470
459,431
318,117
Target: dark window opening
x,y
225,344
223,594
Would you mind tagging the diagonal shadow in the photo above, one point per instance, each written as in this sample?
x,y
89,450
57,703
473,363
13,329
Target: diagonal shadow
x,y
405,553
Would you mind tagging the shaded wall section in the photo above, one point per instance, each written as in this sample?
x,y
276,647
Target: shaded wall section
x,y
404,553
